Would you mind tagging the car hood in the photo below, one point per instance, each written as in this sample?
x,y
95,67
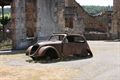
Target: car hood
x,y
49,43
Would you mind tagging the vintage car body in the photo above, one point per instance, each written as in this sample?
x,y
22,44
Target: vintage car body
x,y
60,46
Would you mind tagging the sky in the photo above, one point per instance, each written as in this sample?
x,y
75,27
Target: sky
x,y
96,2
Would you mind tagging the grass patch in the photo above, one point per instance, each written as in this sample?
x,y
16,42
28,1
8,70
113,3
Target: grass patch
x,y
7,44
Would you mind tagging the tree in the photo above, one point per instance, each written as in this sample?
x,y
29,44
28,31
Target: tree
x,y
4,20
97,9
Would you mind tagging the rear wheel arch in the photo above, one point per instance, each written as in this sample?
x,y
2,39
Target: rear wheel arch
x,y
28,50
49,51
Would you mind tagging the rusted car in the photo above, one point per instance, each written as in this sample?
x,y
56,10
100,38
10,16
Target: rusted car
x,y
59,46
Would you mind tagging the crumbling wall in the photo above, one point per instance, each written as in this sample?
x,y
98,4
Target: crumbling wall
x,y
30,17
91,23
50,13
82,21
115,31
40,18
37,19
73,21
18,23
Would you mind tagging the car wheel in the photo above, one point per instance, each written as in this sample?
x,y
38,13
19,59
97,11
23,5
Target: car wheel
x,y
51,54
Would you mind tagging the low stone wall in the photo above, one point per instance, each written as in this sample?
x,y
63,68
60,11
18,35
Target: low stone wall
x,y
96,36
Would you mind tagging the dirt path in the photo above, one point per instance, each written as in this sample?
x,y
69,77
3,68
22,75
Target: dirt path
x,y
105,65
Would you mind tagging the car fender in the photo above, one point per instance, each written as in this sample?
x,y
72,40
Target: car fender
x,y
42,50
28,50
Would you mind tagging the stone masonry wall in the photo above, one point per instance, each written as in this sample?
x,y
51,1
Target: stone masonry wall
x,y
115,31
40,18
30,17
74,23
82,21
49,18
37,19
18,19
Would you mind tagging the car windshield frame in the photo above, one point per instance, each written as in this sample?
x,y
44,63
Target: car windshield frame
x,y
57,37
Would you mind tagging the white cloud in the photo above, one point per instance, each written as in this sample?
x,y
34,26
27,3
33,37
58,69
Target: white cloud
x,y
96,2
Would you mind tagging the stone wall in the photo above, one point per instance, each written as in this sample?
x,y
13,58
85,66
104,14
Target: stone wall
x,y
35,19
30,17
96,36
73,23
18,23
82,21
91,23
50,18
115,31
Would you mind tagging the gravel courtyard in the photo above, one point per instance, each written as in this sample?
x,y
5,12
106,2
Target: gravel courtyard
x,y
105,65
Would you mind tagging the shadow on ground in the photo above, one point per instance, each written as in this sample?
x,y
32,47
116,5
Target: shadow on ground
x,y
70,58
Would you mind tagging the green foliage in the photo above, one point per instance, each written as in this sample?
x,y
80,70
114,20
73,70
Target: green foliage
x,y
96,9
7,16
7,44
4,20
6,10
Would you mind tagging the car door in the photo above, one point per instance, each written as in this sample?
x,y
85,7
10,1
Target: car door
x,y
73,46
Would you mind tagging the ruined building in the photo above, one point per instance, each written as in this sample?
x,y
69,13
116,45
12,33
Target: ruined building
x,y
87,24
34,20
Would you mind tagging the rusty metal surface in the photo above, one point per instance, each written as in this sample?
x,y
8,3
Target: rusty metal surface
x,y
60,46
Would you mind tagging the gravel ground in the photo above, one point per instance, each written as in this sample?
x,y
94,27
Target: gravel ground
x,y
105,65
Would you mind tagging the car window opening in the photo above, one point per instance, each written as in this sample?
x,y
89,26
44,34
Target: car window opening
x,y
75,39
